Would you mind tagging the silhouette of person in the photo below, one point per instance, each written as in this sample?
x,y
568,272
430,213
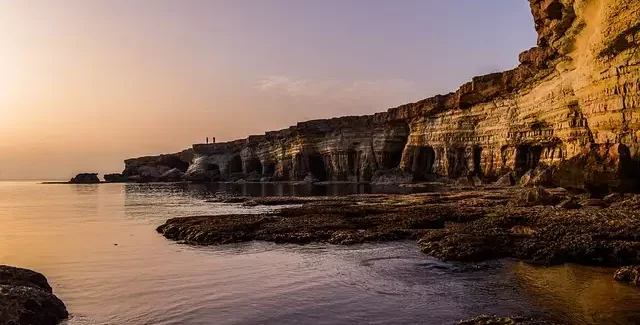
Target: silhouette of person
x,y
207,140
214,140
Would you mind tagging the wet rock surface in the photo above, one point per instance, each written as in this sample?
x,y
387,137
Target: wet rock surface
x,y
453,225
26,298
488,320
342,222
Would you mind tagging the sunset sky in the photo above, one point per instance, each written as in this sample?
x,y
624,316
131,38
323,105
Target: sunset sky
x,y
85,84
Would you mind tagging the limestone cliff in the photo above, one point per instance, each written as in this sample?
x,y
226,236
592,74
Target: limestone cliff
x,y
571,108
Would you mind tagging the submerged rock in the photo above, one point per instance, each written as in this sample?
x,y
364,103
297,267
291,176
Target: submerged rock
x,y
628,274
27,299
85,178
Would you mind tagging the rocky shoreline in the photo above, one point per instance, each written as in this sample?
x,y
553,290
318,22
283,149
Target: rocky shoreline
x,y
26,298
533,224
546,226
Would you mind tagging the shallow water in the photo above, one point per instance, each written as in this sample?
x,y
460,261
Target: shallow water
x,y
98,247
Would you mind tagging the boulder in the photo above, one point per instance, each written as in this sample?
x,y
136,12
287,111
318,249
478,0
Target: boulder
x,y
539,176
506,180
628,274
569,204
26,298
310,178
615,197
532,197
85,178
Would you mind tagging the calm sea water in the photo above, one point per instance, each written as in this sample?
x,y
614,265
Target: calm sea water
x,y
98,247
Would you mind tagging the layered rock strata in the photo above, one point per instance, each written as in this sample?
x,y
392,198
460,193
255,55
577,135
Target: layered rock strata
x,y
570,109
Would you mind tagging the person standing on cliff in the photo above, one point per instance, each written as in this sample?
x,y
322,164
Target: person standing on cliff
x,y
207,140
213,140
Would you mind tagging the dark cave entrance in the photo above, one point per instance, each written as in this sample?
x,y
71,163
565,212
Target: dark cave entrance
x,y
392,158
269,169
457,161
235,165
527,158
423,161
477,161
317,167
213,168
253,166
173,162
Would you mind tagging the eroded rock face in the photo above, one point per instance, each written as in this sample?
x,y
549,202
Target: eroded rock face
x,y
26,298
156,168
570,109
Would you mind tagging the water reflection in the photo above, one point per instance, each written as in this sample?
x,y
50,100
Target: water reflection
x,y
69,232
272,189
574,294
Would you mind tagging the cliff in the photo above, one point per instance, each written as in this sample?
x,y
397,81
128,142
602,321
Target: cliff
x,y
569,112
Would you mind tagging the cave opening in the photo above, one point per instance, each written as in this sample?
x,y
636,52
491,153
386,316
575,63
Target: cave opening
x,y
457,162
629,169
235,165
213,168
269,169
352,157
173,162
254,165
423,161
527,158
391,158
317,167
477,161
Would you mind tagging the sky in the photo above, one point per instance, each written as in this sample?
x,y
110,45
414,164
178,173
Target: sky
x,y
85,84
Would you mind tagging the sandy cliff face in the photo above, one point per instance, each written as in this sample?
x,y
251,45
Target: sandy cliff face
x,y
569,111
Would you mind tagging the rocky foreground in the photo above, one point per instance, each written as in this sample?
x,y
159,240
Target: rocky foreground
x,y
547,226
26,298
487,320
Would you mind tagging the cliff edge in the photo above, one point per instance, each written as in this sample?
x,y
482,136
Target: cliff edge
x,y
567,114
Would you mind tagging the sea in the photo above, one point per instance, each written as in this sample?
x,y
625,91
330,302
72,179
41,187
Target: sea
x,y
99,249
